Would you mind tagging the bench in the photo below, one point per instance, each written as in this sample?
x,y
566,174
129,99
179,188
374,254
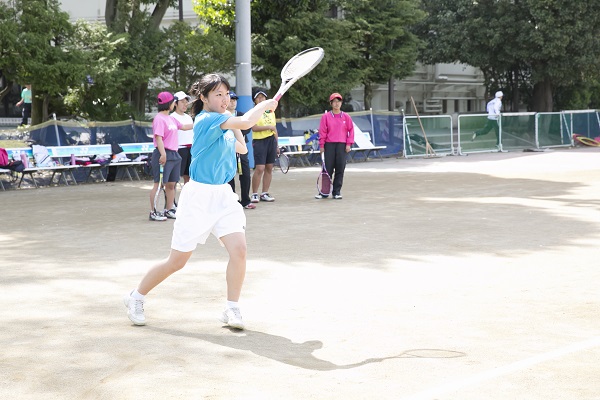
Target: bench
x,y
293,149
63,171
363,146
129,167
4,171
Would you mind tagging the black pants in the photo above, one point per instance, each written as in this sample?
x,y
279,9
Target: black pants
x,y
26,113
245,179
489,125
335,163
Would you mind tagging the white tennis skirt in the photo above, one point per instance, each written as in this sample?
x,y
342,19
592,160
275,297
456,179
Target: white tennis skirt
x,y
204,209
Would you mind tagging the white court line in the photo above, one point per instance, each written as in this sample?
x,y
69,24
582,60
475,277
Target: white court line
x,y
507,369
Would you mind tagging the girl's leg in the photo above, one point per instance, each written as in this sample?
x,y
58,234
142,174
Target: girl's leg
x,y
259,170
163,270
235,243
170,191
152,194
267,177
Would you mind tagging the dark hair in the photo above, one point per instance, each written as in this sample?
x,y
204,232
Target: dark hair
x,y
205,85
164,107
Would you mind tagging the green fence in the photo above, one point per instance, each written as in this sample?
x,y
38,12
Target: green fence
x,y
437,130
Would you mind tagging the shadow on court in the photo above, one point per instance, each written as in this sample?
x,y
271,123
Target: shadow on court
x,y
451,278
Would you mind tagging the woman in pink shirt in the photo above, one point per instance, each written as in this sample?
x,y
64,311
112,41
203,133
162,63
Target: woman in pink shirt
x,y
336,136
166,143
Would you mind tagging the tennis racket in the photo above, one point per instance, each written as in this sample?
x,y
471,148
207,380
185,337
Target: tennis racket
x,y
298,66
324,185
160,192
284,161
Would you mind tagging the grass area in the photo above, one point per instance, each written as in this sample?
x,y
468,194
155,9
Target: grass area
x,y
11,143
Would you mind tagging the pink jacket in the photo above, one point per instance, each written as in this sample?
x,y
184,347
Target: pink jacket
x,y
336,128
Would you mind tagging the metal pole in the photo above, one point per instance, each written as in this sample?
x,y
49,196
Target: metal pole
x,y
181,10
243,61
56,129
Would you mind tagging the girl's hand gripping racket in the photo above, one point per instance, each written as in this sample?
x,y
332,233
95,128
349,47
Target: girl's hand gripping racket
x,y
298,66
324,185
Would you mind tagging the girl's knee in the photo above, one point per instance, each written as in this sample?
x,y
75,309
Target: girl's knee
x,y
238,251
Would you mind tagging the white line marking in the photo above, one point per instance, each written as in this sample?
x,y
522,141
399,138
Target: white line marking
x,y
507,369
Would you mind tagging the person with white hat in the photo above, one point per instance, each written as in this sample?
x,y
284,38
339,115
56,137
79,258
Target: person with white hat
x,y
182,102
493,109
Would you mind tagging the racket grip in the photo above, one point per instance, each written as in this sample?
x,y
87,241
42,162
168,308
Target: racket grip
x,y
161,168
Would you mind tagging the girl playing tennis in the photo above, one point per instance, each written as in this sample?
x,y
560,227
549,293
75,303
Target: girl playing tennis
x,y
207,204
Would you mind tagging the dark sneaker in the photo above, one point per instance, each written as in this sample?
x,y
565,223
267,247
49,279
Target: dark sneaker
x,y
266,197
170,213
156,216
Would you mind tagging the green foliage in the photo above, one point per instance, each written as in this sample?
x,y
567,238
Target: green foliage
x,y
192,52
283,38
99,96
9,42
49,62
382,36
550,43
218,14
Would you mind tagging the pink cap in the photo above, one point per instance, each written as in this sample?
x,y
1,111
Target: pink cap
x,y
164,98
335,96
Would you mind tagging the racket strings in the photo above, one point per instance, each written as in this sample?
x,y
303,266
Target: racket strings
x,y
302,64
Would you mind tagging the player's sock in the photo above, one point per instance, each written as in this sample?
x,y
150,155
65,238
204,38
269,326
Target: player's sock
x,y
232,304
137,295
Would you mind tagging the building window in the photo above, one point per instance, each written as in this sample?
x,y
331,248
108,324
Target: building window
x,y
456,106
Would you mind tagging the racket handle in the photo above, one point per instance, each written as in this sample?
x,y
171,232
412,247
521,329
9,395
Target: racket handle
x,y
277,97
161,169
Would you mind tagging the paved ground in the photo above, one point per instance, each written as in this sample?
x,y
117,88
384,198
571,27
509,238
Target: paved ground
x,y
460,278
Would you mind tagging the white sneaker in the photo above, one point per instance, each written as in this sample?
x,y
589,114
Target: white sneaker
x,y
337,196
135,309
156,216
266,197
233,318
320,196
254,198
170,213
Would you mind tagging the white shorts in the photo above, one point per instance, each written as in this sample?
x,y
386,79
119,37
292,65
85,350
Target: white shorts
x,y
204,209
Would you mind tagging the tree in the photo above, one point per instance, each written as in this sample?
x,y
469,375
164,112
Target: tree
x,y
99,96
48,61
9,56
544,44
383,37
211,52
281,29
142,58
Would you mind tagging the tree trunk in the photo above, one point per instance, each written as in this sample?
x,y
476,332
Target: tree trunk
x,y
515,91
37,107
542,96
368,95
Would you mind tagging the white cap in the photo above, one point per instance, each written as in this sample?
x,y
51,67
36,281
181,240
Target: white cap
x,y
498,94
181,95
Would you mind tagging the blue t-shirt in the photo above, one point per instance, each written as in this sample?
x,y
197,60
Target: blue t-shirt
x,y
213,150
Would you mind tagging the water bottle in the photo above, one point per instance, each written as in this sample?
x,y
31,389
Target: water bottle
x,y
24,160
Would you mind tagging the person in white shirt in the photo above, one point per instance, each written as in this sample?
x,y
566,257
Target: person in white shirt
x,y
182,102
493,109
